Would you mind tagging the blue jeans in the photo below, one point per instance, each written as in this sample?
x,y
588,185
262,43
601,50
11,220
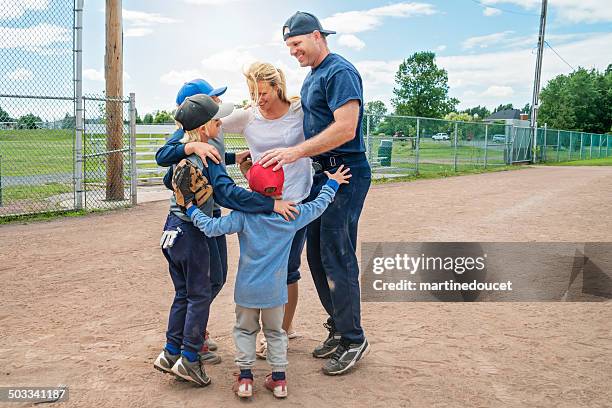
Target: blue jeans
x,y
217,247
188,263
332,240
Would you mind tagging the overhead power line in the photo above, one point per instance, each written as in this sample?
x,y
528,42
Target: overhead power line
x,y
559,55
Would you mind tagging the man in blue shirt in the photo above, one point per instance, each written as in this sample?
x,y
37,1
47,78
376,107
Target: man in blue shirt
x,y
332,101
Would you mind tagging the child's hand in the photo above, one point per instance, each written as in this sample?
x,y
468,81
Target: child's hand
x,y
341,175
285,209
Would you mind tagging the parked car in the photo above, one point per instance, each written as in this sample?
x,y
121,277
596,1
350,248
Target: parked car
x,y
440,136
499,138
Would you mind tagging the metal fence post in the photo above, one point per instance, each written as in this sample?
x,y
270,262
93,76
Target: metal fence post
x,y
133,170
591,147
79,170
558,143
368,145
581,144
543,155
418,143
455,153
486,144
0,180
569,157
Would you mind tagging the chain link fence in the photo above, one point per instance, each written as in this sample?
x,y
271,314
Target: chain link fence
x,y
36,106
399,146
58,150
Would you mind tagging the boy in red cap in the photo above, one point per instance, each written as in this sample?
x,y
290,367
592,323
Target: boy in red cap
x,y
261,281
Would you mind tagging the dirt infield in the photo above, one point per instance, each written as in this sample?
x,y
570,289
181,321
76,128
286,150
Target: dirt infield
x,y
84,302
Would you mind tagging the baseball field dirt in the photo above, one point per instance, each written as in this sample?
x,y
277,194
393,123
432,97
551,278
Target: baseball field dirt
x,y
84,303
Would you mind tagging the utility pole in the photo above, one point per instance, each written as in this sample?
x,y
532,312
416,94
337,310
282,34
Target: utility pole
x,y
113,73
536,81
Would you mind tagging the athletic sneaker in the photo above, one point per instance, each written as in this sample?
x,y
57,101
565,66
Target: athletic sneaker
x,y
165,361
278,387
207,356
212,345
191,371
345,357
330,344
243,387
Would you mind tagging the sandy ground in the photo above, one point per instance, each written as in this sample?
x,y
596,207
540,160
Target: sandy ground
x,y
84,302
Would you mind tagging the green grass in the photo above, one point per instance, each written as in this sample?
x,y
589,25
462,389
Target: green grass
x,y
606,161
33,192
435,173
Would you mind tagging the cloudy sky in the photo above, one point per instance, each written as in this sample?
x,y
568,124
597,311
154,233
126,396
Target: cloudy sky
x,y
488,47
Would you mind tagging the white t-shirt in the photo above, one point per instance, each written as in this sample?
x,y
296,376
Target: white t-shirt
x,y
264,134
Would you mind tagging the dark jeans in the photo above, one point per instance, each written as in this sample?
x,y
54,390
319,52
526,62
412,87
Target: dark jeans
x,y
332,239
217,247
295,256
188,263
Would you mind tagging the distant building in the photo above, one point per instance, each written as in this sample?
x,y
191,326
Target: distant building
x,y
509,117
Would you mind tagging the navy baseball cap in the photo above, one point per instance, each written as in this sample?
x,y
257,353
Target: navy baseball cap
x,y
198,86
198,109
303,23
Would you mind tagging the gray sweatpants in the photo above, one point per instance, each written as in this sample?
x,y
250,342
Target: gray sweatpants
x,y
245,336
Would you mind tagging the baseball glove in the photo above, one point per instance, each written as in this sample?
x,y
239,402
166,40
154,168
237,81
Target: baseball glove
x,y
190,185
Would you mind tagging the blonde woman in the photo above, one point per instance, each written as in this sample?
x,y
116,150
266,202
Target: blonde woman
x,y
274,121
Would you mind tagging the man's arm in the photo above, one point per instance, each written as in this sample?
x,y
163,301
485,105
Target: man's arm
x,y
214,227
341,130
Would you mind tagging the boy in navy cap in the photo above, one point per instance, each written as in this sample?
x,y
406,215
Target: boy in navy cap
x,y
261,289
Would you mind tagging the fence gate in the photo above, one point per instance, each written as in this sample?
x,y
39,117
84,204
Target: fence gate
x,y
521,144
108,177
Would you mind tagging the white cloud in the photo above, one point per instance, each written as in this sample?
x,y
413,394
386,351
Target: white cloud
x,y
498,91
98,75
230,60
351,41
20,74
573,11
141,23
441,47
34,38
93,74
143,19
137,32
485,41
490,11
351,22
494,77
178,78
10,9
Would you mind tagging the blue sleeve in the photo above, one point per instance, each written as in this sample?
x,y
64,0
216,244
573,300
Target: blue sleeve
x,y
214,227
172,152
343,86
230,158
227,194
313,209
168,178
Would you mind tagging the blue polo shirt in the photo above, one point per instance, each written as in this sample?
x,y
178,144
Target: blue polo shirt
x,y
326,88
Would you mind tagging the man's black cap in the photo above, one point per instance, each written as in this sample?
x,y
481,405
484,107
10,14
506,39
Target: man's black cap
x,y
303,23
198,109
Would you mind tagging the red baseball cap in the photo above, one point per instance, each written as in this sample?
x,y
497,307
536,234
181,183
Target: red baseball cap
x,y
266,181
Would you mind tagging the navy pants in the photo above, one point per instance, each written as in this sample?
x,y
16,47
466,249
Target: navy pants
x,y
217,247
332,241
188,263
